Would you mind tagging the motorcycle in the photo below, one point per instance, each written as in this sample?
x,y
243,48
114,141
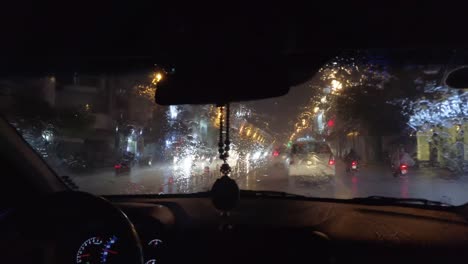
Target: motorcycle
x,y
400,170
122,167
352,166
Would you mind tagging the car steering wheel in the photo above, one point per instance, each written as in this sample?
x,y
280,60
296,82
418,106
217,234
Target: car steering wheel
x,y
70,220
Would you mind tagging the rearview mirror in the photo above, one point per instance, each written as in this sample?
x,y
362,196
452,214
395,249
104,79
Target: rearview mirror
x,y
224,82
458,79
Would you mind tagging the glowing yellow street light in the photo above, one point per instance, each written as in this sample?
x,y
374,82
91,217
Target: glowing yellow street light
x,y
157,78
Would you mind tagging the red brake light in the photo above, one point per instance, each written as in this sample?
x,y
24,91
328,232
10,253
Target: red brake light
x,y
354,163
276,153
331,162
404,167
118,166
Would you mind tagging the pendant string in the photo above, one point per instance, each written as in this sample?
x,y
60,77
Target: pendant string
x,y
221,128
224,145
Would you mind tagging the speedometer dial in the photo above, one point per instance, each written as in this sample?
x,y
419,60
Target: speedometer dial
x,y
108,249
90,251
97,250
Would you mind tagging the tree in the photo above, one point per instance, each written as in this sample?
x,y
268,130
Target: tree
x,y
351,88
434,113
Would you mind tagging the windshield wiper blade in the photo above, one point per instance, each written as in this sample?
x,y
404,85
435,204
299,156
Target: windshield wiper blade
x,y
383,200
269,194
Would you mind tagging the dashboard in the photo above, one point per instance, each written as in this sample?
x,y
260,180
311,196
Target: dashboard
x,y
258,230
170,235
155,225
264,230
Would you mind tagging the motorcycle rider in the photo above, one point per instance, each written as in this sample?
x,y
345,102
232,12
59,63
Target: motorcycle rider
x,y
401,157
350,157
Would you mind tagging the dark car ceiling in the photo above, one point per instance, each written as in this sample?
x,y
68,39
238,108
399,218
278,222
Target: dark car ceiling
x,y
202,38
162,29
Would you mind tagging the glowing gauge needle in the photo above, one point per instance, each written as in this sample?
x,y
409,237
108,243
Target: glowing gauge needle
x,y
111,251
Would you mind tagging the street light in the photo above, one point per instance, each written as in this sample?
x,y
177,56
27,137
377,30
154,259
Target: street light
x,y
158,76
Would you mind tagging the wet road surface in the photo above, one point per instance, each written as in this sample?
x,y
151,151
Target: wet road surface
x,y
428,183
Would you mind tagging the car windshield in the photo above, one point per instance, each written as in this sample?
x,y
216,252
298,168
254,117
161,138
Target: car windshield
x,y
105,132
